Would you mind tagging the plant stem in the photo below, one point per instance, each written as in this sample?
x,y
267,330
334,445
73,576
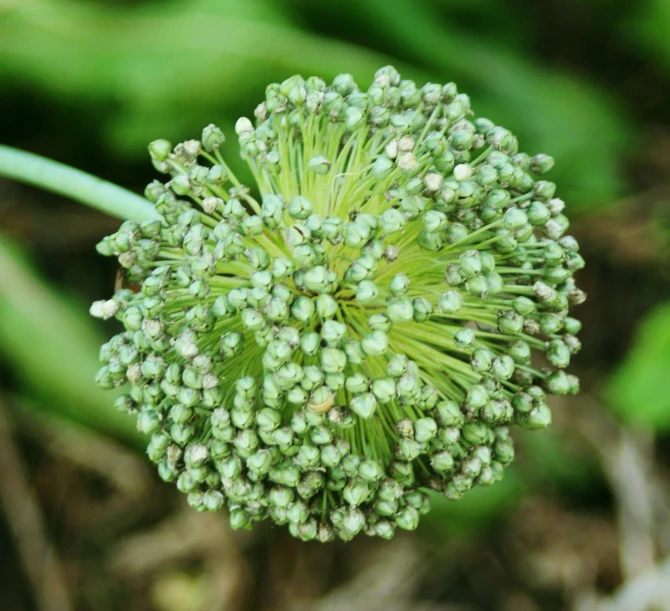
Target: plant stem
x,y
75,184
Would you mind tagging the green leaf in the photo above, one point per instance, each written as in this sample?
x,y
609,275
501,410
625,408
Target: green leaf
x,y
166,69
639,391
51,346
650,29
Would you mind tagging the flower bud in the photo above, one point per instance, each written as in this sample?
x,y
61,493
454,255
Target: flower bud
x,y
319,164
367,292
425,429
450,302
356,492
408,518
364,405
384,389
375,343
399,310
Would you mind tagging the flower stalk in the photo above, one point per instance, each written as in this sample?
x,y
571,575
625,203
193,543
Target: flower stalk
x,y
74,184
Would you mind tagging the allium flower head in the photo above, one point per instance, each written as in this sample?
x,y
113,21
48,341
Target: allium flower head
x,y
358,326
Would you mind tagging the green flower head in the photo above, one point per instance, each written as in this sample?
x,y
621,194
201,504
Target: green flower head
x,y
361,324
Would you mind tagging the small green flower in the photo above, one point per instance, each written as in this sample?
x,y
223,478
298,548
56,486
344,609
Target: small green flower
x,y
356,326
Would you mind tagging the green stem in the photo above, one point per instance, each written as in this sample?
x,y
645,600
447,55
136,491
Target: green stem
x,y
75,184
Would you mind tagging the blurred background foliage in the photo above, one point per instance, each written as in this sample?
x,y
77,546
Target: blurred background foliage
x,y
584,513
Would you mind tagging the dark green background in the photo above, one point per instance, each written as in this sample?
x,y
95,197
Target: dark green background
x,y
90,83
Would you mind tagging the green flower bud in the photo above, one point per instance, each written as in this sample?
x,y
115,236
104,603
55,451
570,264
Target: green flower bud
x,y
510,323
160,149
503,367
423,309
260,462
282,267
321,435
212,138
442,462
371,470
212,500
386,508
399,310
558,354
538,418
392,220
239,519
303,309
356,492
333,360
475,434
425,429
558,383
399,285
550,323
520,352
352,522
408,518
375,343
384,389
481,360
367,292
464,338
450,302
319,164
268,419
504,451
408,449
476,397
357,383
364,405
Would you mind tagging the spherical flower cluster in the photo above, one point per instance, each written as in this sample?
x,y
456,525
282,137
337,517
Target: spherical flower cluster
x,y
359,326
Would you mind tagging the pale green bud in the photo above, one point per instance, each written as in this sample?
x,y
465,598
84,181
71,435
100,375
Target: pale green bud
x,y
538,418
354,351
399,285
364,405
353,522
357,383
397,365
464,337
319,164
333,360
371,470
367,292
422,309
317,279
408,449
384,389
321,435
450,302
425,429
356,492
375,343
400,310
392,221
326,306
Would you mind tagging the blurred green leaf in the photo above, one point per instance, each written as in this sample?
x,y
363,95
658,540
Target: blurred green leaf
x,y
52,348
639,391
551,112
170,68
650,29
